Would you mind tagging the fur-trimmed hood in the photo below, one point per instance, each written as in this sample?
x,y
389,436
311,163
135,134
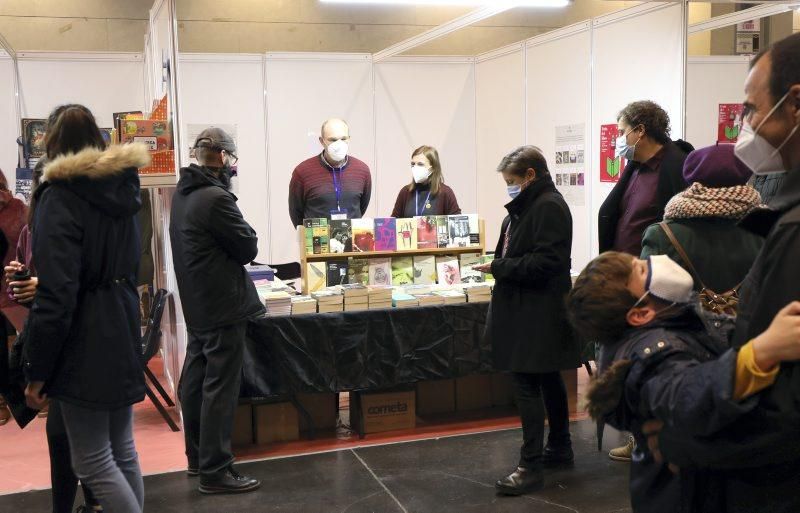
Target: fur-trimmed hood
x,y
108,179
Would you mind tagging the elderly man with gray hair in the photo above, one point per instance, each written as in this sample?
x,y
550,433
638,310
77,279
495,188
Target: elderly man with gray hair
x,y
211,243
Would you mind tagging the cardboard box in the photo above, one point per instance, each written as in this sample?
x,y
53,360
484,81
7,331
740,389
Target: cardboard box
x,y
242,426
474,392
503,389
276,423
436,396
322,409
383,411
571,382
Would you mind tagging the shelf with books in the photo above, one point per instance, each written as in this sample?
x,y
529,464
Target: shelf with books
x,y
323,265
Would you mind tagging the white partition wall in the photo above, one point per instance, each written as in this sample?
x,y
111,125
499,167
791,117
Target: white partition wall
x,y
638,54
500,127
557,98
103,82
709,82
427,101
9,124
303,90
210,97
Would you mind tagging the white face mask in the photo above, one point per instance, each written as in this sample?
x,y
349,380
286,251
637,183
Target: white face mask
x,y
667,281
623,149
756,152
337,151
420,173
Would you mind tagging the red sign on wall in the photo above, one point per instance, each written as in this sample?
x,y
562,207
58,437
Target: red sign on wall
x,y
729,123
611,166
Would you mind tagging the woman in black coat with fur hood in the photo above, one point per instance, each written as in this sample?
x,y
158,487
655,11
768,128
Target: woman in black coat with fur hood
x,y
82,339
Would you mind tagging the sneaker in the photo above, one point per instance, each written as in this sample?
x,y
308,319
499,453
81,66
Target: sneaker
x,y
623,453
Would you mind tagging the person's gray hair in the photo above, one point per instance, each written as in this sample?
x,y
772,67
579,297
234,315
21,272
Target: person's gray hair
x,y
325,123
523,158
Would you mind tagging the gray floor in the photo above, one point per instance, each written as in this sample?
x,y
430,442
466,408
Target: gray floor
x,y
434,476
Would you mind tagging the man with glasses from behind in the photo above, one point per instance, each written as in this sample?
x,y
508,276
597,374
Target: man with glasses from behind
x,y
211,243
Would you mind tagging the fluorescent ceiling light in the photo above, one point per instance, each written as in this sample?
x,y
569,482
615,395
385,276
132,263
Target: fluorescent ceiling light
x,y
515,3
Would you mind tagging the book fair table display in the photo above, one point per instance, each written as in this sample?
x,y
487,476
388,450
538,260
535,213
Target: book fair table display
x,y
390,311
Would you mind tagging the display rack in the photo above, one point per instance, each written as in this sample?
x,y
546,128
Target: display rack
x,y
323,257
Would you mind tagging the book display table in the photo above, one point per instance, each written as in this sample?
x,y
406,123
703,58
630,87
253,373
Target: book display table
x,y
367,350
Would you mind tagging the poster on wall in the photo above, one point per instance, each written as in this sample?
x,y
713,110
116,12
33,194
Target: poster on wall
x,y
611,166
729,122
749,26
23,184
570,164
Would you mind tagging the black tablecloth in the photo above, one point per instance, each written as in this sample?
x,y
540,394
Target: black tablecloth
x,y
374,349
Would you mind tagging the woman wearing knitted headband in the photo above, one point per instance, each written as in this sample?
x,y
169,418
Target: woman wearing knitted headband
x,y
704,217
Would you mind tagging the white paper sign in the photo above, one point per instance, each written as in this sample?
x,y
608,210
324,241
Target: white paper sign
x,y
570,163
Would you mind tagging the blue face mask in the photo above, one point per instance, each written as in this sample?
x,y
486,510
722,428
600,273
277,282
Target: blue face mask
x,y
516,189
623,149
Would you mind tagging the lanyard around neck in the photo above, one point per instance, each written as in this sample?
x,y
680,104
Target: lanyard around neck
x,y
424,205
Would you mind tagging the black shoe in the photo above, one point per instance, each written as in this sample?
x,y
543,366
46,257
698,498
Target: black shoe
x,y
558,456
228,481
521,481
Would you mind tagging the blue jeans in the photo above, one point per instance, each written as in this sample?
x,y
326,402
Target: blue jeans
x,y
104,456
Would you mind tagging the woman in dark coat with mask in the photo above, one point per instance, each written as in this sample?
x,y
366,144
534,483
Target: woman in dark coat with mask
x,y
528,326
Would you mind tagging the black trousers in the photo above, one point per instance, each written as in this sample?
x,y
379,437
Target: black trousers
x,y
537,394
209,393
62,477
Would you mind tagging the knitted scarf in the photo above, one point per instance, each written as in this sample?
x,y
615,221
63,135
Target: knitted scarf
x,y
701,201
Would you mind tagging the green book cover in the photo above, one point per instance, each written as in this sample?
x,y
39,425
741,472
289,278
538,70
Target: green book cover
x,y
316,231
358,271
402,270
487,259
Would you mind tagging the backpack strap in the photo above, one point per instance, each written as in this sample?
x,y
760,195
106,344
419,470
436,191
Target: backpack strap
x,y
677,245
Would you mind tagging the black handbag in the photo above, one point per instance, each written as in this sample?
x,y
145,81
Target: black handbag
x,y
13,388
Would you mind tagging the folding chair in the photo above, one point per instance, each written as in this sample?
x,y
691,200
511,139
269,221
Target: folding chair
x,y
151,342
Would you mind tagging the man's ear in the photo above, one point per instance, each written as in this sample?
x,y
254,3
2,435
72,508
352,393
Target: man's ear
x,y
640,316
322,141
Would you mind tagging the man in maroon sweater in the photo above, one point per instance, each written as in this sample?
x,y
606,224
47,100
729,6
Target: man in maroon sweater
x,y
332,184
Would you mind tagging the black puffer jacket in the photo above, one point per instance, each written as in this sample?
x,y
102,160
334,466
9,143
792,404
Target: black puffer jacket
x,y
83,335
211,242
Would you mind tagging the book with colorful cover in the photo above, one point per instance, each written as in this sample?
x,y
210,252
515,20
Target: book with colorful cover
x,y
380,271
447,270
487,259
358,271
406,234
316,276
336,272
340,239
467,262
363,235
442,231
385,234
474,230
402,270
458,231
316,231
426,232
425,269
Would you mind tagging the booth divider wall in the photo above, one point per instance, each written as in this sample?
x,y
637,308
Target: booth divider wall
x,y
431,101
302,91
500,127
559,88
709,82
9,123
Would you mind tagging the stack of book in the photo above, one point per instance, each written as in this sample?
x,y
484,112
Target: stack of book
x,y
478,293
451,297
417,290
303,305
403,300
329,300
260,272
429,299
379,297
356,297
278,303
